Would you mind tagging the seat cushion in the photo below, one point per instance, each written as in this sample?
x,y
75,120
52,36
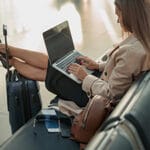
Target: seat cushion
x,y
139,115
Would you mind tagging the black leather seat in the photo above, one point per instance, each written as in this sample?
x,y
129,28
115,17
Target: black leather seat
x,y
135,108
139,114
125,101
123,137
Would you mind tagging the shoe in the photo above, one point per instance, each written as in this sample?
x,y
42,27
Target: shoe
x,y
4,61
54,100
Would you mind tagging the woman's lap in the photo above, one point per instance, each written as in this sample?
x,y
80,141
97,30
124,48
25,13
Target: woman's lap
x,y
64,87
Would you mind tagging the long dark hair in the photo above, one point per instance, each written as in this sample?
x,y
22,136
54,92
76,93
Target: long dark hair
x,y
135,19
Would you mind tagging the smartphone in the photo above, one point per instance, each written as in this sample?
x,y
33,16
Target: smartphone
x,y
46,114
65,127
52,125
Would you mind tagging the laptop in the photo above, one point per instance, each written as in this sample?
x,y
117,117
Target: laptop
x,y
60,48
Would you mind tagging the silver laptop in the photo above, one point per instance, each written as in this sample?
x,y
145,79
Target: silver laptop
x,y
60,48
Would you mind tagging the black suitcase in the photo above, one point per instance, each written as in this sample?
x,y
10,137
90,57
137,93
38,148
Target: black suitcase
x,y
23,99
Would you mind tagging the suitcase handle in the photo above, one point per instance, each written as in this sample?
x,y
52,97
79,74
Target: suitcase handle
x,y
6,49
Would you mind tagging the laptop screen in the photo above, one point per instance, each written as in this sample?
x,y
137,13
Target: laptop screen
x,y
58,41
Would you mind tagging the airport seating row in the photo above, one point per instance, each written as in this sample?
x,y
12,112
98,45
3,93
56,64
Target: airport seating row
x,y
128,126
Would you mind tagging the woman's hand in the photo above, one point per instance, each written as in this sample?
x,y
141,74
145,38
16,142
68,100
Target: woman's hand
x,y
88,63
77,70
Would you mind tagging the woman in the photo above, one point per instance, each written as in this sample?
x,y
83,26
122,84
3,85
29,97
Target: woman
x,y
125,62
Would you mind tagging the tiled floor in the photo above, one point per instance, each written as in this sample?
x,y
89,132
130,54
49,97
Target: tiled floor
x,y
93,27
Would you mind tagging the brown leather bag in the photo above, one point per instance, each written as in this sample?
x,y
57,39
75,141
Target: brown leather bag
x,y
89,120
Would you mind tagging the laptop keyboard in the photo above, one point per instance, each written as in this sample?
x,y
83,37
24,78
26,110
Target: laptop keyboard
x,y
67,61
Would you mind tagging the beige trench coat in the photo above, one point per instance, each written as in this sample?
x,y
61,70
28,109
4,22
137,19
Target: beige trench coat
x,y
124,64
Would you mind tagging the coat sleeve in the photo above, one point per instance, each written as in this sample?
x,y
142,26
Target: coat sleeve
x,y
128,63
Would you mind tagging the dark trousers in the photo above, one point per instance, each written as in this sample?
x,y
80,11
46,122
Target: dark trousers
x,y
64,87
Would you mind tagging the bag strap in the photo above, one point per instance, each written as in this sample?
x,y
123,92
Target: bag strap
x,y
87,112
